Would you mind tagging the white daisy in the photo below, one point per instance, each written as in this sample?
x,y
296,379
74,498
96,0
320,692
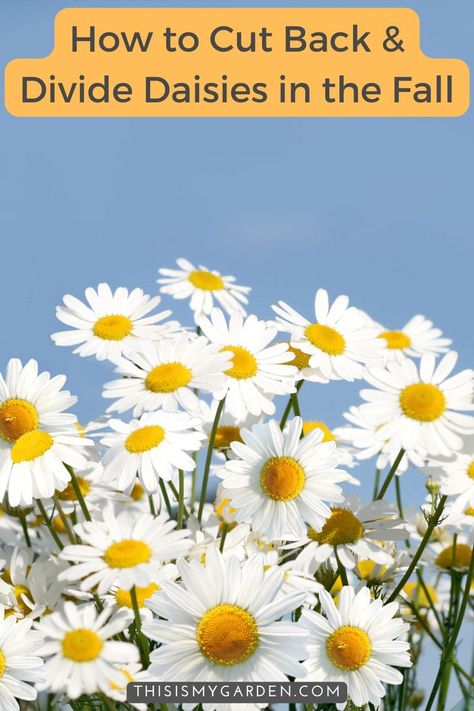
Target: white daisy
x,y
419,408
451,553
166,374
229,426
81,656
154,446
21,665
122,599
222,624
352,532
112,322
258,370
415,339
130,672
456,480
280,482
358,643
202,286
339,342
123,550
343,453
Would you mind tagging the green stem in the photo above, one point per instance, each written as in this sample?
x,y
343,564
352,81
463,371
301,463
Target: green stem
x,y
390,475
291,404
50,526
78,492
453,637
398,493
376,483
24,525
151,504
65,522
207,466
424,542
142,641
225,530
341,570
165,496
180,499
452,615
176,495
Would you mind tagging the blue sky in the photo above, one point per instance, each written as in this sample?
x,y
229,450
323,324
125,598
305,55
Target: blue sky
x,y
380,209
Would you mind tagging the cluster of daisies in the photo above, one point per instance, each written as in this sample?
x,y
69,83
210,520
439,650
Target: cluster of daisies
x,y
204,528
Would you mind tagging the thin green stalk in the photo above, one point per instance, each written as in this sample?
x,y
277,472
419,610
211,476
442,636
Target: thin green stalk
x,y
390,475
50,526
24,525
65,522
376,483
452,615
207,466
341,570
141,639
151,504
166,499
424,542
292,400
454,635
225,530
78,492
180,499
176,495
295,403
398,494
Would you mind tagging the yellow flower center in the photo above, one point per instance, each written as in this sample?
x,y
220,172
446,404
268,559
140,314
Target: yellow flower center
x,y
19,591
415,593
82,645
327,434
396,340
30,446
301,360
113,328
59,524
144,439
325,338
68,494
282,478
124,598
227,635
138,492
244,364
3,664
366,568
219,509
348,648
17,417
340,528
423,402
469,511
459,558
225,435
206,280
127,553
470,470
168,377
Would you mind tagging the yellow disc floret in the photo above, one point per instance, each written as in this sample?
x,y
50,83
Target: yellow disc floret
x,y
457,557
396,340
312,425
226,434
282,478
423,402
82,645
127,553
325,338
301,360
244,364
30,446
207,281
348,648
470,470
168,377
68,494
227,634
113,328
124,597
340,528
17,417
144,439
416,593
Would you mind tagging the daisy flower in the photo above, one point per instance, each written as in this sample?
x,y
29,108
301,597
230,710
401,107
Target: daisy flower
x,y
122,599
81,656
343,453
357,643
222,624
154,446
166,374
420,407
130,672
415,339
20,663
353,531
123,550
111,323
339,341
229,427
202,286
456,479
452,553
280,482
257,370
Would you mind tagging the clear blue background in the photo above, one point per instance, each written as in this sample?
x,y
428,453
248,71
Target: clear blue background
x,y
380,209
